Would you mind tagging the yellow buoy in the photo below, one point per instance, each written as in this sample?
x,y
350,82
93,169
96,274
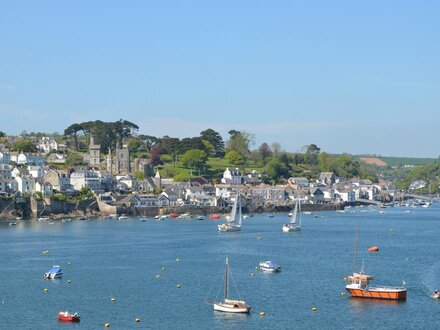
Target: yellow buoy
x,y
107,325
45,289
137,320
262,313
343,293
178,285
314,309
113,299
45,252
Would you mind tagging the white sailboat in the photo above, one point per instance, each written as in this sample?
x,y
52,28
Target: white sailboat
x,y
234,221
230,305
295,220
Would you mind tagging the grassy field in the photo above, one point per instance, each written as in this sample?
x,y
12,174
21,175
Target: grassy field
x,y
214,169
402,161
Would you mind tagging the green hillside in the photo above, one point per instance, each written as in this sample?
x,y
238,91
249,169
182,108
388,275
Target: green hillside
x,y
401,161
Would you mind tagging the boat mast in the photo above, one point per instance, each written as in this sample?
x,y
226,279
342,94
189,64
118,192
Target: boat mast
x,y
226,277
239,209
355,251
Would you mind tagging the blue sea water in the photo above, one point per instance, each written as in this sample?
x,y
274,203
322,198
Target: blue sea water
x,y
105,259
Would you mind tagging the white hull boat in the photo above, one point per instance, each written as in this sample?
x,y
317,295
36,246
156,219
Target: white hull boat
x,y
269,266
230,305
54,273
234,221
295,219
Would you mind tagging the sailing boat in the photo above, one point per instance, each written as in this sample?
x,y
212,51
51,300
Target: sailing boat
x,y
230,305
234,221
295,220
358,286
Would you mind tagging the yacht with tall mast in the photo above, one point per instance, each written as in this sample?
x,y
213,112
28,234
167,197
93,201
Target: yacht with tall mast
x,y
234,221
295,219
230,305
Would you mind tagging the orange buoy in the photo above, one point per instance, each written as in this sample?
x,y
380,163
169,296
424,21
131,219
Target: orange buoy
x,y
373,249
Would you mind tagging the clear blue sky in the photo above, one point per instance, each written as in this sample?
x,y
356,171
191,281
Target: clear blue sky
x,y
348,76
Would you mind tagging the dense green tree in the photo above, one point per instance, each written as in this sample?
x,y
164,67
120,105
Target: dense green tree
x,y
345,166
171,146
215,139
134,144
240,142
311,154
298,159
107,134
2,134
276,169
324,161
148,141
194,158
234,157
187,144
72,132
209,148
264,152
24,145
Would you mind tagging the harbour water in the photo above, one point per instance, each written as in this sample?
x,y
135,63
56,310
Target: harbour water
x,y
141,265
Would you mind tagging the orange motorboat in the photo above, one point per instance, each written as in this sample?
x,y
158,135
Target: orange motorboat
x,y
214,217
359,285
373,249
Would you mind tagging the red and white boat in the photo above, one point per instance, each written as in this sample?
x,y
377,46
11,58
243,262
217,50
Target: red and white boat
x,y
68,317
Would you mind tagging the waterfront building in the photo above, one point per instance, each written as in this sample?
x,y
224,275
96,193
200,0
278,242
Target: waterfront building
x,y
45,188
85,178
36,171
7,182
25,184
232,177
59,181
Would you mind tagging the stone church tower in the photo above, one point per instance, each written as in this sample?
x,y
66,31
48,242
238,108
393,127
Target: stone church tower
x,y
95,153
122,163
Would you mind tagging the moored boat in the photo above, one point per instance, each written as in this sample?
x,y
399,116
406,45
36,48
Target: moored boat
x,y
269,266
54,272
68,317
359,285
234,221
229,305
295,219
435,294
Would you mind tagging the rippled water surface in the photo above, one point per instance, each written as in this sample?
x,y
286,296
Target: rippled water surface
x,y
106,259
